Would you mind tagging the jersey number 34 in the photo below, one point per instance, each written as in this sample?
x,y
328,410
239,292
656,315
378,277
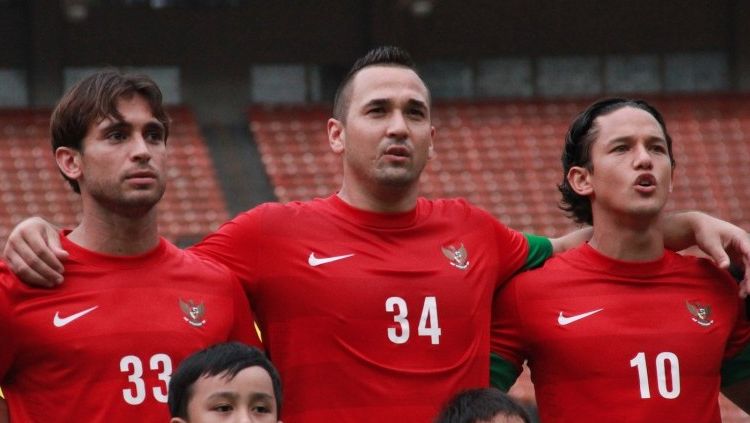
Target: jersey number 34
x,y
428,320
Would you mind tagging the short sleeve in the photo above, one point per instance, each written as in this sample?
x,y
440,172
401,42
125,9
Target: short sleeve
x,y
736,365
235,245
506,338
513,250
540,249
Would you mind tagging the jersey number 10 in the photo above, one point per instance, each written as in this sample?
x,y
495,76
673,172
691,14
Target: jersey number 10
x,y
662,360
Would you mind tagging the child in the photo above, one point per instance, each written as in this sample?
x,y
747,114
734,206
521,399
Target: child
x,y
225,382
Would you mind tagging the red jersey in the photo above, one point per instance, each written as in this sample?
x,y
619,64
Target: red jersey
x,y
371,317
614,341
102,346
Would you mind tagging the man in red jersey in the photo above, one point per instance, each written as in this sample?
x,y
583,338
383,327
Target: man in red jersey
x,y
374,303
621,329
102,347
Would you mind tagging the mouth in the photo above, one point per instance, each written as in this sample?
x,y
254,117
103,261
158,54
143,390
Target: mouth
x,y
397,151
645,182
141,177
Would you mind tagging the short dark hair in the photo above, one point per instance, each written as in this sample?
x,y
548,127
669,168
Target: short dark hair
x,y
95,97
383,56
577,150
482,404
226,359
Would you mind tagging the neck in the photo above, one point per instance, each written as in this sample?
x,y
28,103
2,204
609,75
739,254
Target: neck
x,y
380,200
634,239
107,232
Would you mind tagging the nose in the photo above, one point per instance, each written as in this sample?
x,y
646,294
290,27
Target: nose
x,y
642,159
140,151
397,127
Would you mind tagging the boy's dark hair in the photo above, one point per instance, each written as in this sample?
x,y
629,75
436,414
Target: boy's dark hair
x,y
95,98
225,359
475,405
382,56
577,150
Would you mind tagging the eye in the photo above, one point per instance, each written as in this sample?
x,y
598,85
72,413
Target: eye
x,y
378,110
155,136
117,136
222,408
621,148
261,409
659,148
418,113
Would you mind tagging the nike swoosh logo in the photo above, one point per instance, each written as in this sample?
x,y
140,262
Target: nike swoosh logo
x,y
562,320
62,321
314,261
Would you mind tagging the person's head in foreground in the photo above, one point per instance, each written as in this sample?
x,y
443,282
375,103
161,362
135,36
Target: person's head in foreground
x,y
485,405
228,382
382,128
617,158
109,135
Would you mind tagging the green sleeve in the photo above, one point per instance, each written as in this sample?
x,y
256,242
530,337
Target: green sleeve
x,y
540,249
503,373
736,368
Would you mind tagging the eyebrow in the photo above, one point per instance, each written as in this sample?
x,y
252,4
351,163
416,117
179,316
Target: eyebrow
x,y
384,102
629,138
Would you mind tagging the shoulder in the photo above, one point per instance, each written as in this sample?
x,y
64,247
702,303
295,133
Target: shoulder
x,y
556,267
199,267
700,269
270,212
454,208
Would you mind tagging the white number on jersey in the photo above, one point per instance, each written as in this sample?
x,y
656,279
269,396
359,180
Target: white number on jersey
x,y
662,359
428,321
133,366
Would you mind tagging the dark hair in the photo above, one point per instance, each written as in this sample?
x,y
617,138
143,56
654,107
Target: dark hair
x,y
475,405
225,359
577,150
94,98
384,56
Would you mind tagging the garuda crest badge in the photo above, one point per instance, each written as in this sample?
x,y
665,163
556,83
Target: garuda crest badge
x,y
458,257
701,313
193,313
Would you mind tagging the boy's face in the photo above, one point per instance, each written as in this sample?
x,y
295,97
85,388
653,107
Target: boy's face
x,y
249,397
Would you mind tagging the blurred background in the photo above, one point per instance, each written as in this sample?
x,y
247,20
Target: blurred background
x,y
250,86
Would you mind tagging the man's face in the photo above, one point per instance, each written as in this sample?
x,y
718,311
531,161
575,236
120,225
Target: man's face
x,y
248,397
632,172
387,137
122,162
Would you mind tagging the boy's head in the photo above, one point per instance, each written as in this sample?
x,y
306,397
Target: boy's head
x,y
612,124
225,382
486,405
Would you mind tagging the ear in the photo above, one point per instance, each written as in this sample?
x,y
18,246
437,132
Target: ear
x,y
579,179
336,135
69,162
431,150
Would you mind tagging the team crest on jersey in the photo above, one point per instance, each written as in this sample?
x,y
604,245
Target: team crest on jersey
x,y
701,313
193,313
458,257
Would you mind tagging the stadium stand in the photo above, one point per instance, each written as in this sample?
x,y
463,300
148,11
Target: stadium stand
x,y
193,204
505,157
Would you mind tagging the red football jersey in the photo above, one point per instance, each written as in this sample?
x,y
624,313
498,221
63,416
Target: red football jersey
x,y
371,317
614,341
102,346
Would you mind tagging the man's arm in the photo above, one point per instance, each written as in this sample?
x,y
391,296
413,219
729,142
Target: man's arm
x,y
34,253
724,242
